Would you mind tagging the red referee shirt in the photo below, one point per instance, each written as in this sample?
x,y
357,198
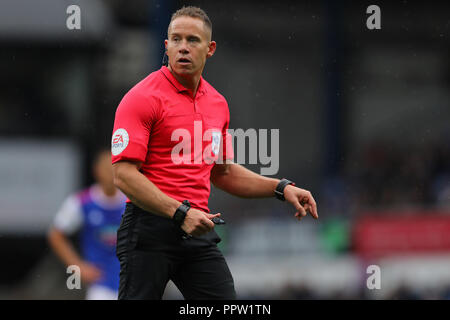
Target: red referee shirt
x,y
177,138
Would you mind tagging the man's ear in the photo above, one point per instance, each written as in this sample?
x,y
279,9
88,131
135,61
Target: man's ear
x,y
165,44
211,49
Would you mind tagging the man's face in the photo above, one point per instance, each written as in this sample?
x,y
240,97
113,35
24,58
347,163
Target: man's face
x,y
188,46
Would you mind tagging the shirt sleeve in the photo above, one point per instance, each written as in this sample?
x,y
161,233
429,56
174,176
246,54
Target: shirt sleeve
x,y
69,217
132,126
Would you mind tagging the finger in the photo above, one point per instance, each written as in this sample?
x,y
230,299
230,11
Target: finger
x,y
298,206
313,206
310,205
314,213
307,209
211,216
203,227
208,223
301,212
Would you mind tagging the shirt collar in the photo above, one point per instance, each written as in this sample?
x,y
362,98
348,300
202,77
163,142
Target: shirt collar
x,y
180,88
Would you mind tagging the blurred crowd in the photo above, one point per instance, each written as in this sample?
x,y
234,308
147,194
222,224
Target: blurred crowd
x,y
382,174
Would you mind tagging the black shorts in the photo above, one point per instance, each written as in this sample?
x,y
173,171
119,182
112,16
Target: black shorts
x,y
152,251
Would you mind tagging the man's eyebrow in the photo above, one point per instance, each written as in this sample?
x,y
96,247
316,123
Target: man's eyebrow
x,y
188,36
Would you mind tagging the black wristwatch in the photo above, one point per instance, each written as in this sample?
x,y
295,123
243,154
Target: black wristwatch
x,y
279,191
180,213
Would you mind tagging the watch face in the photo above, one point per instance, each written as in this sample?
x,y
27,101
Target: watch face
x,y
179,217
180,213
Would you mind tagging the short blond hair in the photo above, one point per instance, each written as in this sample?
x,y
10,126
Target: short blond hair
x,y
194,12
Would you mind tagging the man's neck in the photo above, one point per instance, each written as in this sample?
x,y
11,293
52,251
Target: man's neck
x,y
190,83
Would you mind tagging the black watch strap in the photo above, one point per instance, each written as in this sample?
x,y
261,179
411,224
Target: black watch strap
x,y
279,191
180,213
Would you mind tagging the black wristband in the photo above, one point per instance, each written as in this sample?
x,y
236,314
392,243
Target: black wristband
x,y
279,191
180,213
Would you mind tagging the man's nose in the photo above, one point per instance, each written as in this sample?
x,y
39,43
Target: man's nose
x,y
184,47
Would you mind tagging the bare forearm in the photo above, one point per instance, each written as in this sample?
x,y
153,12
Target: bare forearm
x,y
144,193
63,248
241,182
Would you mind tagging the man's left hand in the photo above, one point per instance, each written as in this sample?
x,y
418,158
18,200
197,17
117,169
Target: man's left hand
x,y
302,200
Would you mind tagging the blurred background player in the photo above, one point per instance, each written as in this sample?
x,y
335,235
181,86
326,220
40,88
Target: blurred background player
x,y
96,212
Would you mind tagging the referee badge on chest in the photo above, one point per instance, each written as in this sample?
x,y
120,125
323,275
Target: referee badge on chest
x,y
215,144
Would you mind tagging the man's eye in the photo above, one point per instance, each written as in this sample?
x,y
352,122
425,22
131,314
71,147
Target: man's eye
x,y
193,39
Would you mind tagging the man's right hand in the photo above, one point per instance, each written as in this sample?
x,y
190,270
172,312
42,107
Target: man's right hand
x,y
198,222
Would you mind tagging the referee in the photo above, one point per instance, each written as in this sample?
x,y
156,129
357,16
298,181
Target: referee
x,y
167,232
